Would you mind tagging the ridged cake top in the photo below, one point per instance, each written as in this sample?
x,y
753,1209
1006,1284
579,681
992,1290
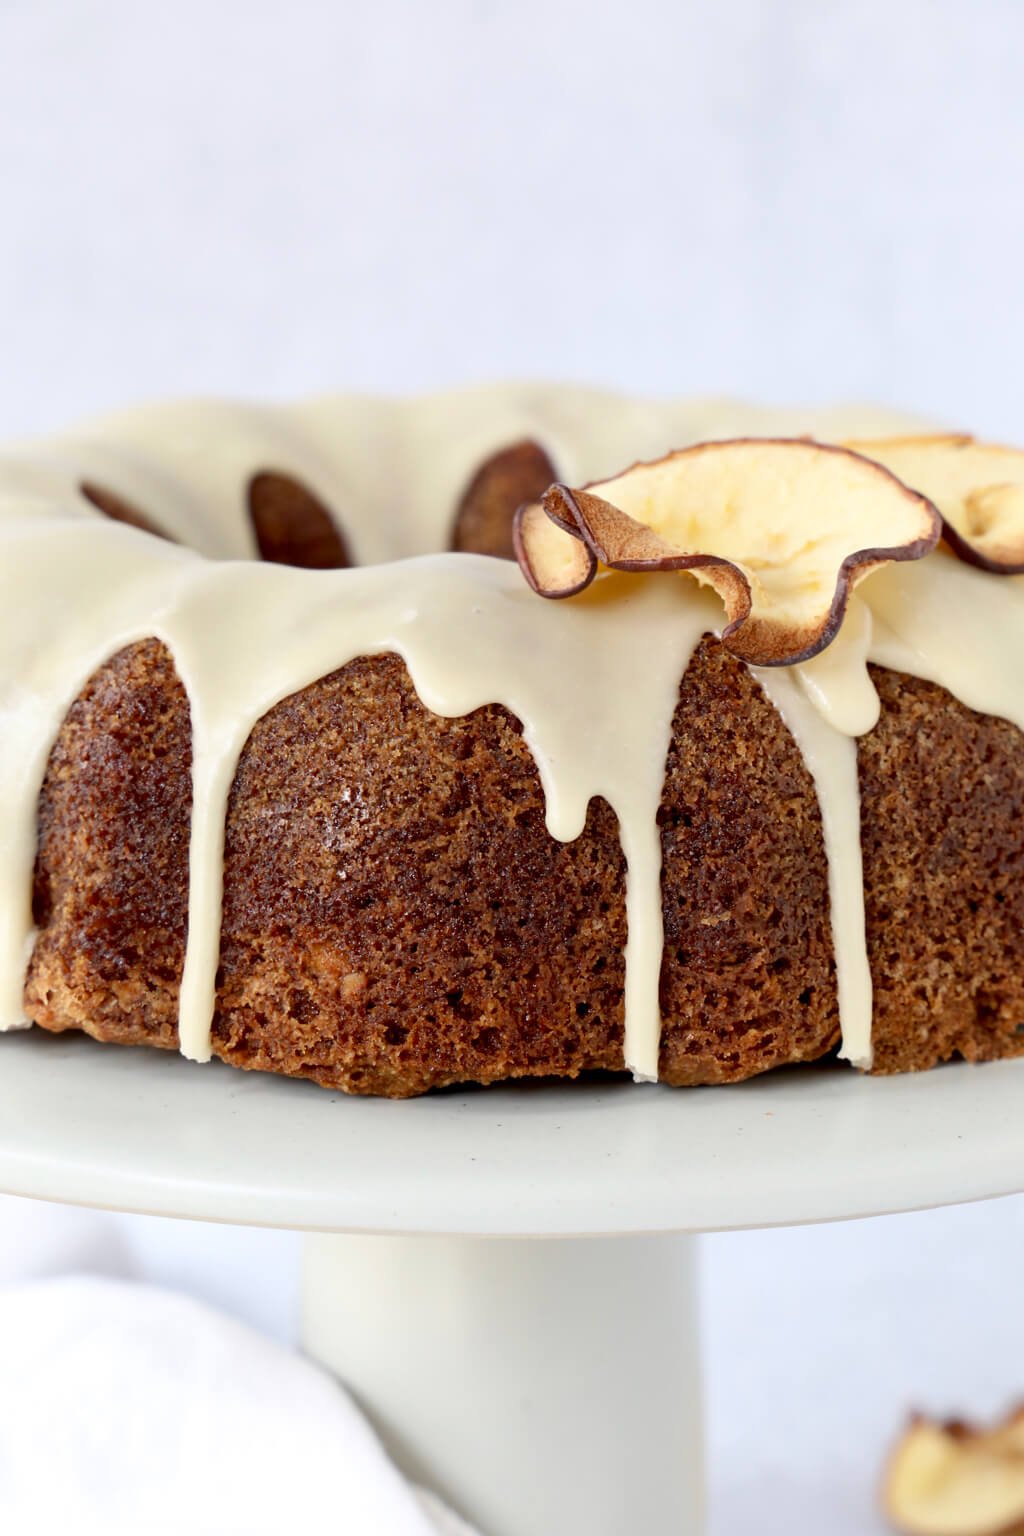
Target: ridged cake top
x,y
593,679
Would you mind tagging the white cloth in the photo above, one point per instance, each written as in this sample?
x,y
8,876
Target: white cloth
x,y
128,1410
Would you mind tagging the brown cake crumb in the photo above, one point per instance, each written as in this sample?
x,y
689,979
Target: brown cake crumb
x,y
111,886
395,895
748,977
942,817
396,916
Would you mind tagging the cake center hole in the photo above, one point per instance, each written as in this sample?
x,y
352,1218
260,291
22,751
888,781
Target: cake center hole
x,y
292,526
118,508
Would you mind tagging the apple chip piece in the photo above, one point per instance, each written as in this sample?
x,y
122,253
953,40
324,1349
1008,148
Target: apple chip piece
x,y
782,528
555,562
977,487
957,1480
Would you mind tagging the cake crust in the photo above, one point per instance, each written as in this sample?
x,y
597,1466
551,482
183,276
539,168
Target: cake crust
x,y
942,828
397,917
748,974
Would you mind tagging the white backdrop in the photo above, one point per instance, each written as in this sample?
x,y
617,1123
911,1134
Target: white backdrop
x,y
796,201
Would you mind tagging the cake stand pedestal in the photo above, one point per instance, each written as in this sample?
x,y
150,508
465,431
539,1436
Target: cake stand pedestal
x,y
540,1387
547,1383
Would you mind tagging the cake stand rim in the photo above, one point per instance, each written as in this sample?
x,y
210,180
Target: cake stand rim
x,y
132,1129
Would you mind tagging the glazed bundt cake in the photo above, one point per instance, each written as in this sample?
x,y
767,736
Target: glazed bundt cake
x,y
303,768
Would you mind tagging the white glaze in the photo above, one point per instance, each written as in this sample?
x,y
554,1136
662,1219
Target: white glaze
x,y
831,759
594,679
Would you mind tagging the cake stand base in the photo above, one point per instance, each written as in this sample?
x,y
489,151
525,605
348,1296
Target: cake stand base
x,y
540,1387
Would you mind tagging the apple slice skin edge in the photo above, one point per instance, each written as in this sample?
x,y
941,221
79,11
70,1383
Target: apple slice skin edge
x,y
528,521
960,544
755,639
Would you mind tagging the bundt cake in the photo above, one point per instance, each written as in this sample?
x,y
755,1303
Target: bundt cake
x,y
296,773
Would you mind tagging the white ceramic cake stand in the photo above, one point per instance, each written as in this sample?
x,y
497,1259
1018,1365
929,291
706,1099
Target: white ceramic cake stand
x,y
544,1387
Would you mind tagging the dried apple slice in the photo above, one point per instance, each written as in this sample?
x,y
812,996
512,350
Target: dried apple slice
x,y
554,561
957,1480
782,528
977,487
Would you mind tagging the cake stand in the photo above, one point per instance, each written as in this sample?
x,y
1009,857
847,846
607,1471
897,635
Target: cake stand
x,y
547,1383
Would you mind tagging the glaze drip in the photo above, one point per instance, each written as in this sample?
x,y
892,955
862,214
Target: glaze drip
x,y
594,680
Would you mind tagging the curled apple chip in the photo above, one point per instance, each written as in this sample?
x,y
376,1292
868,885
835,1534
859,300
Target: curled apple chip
x,y
957,1480
782,528
977,487
554,561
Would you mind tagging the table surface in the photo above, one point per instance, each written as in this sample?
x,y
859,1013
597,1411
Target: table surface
x,y
139,1130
